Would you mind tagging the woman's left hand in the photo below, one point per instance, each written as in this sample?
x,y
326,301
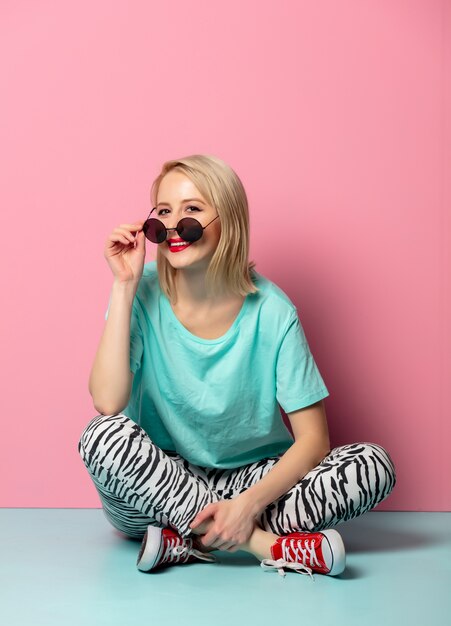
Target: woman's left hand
x,y
234,522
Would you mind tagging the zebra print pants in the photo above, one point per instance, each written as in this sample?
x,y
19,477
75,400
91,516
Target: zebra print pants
x,y
140,484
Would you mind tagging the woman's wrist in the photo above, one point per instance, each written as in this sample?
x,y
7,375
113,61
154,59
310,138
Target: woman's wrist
x,y
254,507
126,287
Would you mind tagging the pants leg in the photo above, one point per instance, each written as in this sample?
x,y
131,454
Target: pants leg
x,y
350,481
138,483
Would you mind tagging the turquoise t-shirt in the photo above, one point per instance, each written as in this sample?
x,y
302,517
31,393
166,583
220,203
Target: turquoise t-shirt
x,y
216,401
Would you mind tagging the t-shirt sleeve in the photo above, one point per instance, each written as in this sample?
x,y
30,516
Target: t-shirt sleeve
x,y
136,337
298,381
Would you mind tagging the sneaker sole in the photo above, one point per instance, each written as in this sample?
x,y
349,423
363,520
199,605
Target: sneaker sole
x,y
151,548
334,552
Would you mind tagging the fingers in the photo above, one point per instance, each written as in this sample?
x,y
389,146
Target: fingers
x,y
215,541
234,548
212,540
120,234
227,546
208,539
206,512
132,227
123,233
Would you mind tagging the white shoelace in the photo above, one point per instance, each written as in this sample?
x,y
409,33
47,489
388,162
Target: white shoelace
x,y
179,550
300,568
292,550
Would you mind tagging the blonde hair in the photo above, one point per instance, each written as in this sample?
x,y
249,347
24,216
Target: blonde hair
x,y
223,190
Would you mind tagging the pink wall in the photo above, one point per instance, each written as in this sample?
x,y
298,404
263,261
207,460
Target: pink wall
x,y
337,118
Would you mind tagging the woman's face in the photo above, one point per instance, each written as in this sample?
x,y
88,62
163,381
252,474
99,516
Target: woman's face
x,y
174,189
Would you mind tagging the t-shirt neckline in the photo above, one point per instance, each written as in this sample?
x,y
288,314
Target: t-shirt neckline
x,y
184,331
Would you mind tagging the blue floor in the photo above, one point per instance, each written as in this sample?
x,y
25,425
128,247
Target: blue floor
x,y
70,566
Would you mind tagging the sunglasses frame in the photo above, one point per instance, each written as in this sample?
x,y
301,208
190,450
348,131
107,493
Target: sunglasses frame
x,y
176,228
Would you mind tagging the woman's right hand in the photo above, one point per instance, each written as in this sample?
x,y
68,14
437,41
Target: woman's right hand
x,y
125,251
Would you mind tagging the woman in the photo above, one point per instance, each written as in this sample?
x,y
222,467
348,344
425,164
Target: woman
x,y
189,451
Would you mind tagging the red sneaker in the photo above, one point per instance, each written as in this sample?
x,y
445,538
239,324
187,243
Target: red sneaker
x,y
164,546
322,552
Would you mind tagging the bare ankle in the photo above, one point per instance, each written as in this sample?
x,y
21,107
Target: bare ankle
x,y
259,543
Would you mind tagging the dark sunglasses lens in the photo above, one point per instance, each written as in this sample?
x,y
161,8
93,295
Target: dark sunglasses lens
x,y
154,230
189,229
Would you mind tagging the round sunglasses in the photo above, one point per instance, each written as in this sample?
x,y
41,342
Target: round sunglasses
x,y
188,229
